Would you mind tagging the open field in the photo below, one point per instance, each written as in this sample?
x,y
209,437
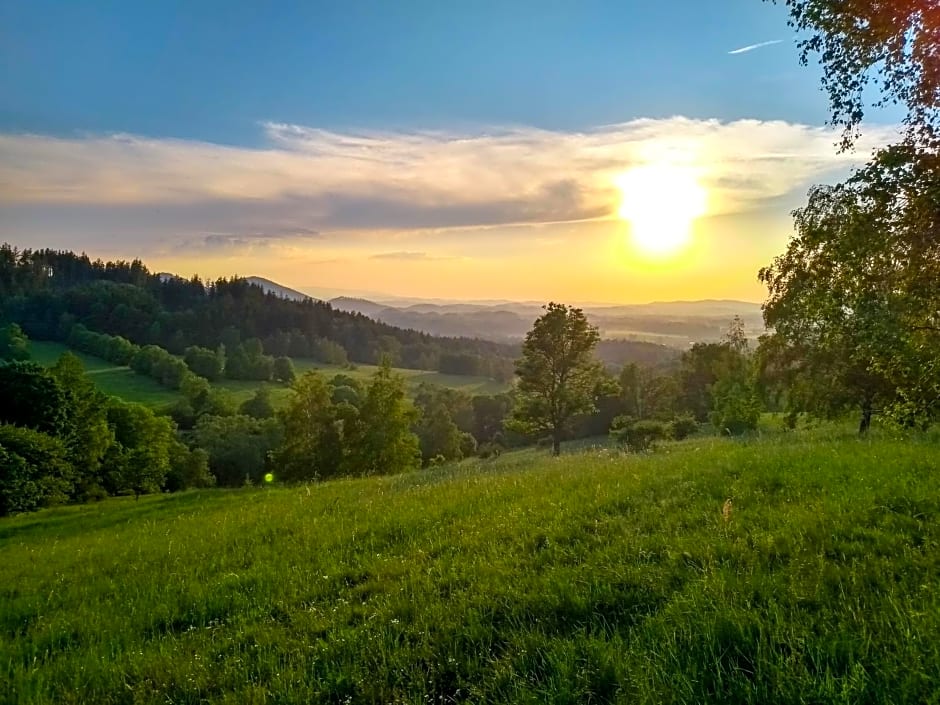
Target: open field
x,y
117,381
124,383
470,384
595,577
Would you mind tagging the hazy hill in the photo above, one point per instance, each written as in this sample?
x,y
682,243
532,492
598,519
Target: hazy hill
x,y
673,323
284,292
353,305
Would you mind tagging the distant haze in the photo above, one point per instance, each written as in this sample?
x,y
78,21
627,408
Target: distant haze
x,y
672,323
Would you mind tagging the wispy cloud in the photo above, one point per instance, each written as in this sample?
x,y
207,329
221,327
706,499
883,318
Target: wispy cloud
x,y
752,47
310,183
409,256
401,255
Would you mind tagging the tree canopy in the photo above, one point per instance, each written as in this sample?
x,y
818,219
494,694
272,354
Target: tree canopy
x,y
854,302
558,374
891,46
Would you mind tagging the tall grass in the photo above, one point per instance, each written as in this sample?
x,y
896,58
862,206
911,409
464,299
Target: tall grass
x,y
594,577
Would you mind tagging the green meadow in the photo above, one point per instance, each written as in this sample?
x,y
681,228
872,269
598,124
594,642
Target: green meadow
x,y
117,381
595,577
123,382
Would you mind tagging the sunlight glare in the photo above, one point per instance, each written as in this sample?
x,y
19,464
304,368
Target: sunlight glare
x,y
661,201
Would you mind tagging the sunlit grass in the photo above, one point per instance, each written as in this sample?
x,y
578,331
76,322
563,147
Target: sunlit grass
x,y
112,379
594,577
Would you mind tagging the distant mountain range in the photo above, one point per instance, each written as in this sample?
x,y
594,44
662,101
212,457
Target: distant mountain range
x,y
676,324
672,323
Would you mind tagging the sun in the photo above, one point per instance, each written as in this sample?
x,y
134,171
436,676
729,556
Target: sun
x,y
661,201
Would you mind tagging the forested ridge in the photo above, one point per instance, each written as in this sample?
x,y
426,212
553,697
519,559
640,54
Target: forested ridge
x,y
47,292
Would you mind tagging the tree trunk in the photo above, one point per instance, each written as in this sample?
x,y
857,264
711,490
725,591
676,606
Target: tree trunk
x,y
865,423
556,442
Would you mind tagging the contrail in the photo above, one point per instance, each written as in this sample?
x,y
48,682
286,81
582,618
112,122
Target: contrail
x,y
752,47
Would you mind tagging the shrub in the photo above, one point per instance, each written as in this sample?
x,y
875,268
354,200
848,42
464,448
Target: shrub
x,y
204,362
36,472
682,427
639,436
468,445
13,343
489,450
146,359
30,396
284,370
259,406
188,469
736,407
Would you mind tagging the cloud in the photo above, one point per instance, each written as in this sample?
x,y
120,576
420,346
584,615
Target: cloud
x,y
401,255
752,47
410,256
308,183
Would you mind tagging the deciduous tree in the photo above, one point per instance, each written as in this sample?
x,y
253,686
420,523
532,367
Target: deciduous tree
x,y
558,374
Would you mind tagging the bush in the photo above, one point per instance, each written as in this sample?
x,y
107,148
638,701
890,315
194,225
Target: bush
x,y
284,370
204,362
36,472
146,359
182,413
259,406
120,350
30,396
328,351
736,407
113,348
468,445
237,446
489,450
188,469
171,371
682,427
639,436
13,343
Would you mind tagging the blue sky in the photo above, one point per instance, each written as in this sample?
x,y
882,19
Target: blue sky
x,y
439,149
214,70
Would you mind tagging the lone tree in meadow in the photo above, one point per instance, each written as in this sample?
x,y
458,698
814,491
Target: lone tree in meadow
x,y
558,374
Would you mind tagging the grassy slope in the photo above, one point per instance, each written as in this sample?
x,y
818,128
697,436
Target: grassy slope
x,y
590,578
118,381
123,382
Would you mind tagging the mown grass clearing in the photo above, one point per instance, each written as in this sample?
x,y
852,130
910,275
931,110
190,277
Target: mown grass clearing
x,y
594,577
121,382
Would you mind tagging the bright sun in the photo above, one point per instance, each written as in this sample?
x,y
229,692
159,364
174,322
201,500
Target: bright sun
x,y
660,201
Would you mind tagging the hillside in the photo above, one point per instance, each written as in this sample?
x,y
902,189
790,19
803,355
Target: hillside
x,y
595,577
284,292
125,299
123,382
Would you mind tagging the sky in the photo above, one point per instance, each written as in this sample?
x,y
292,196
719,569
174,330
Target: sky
x,y
577,151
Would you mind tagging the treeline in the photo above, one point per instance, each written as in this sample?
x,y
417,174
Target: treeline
x,y
247,360
62,440
563,390
48,292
